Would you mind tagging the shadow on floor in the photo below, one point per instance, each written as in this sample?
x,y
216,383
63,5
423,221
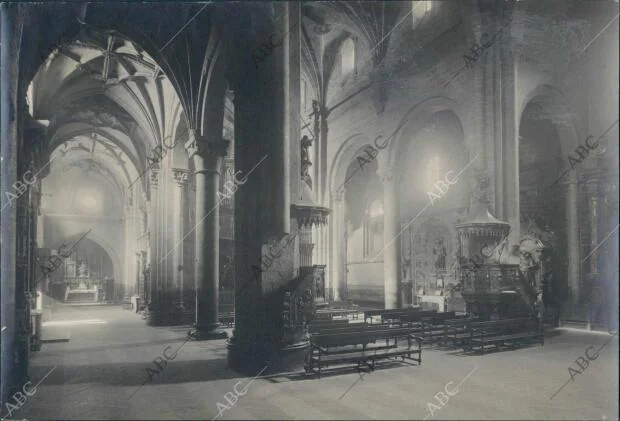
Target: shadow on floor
x,y
130,374
111,347
337,370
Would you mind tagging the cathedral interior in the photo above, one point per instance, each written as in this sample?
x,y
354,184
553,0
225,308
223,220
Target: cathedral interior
x,y
224,209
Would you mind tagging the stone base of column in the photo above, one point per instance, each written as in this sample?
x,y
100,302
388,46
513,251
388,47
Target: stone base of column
x,y
207,332
169,311
157,317
182,314
252,357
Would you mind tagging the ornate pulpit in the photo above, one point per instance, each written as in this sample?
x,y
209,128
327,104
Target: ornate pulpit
x,y
488,284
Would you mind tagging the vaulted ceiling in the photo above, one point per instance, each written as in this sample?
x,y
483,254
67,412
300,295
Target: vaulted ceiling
x,y
108,105
105,92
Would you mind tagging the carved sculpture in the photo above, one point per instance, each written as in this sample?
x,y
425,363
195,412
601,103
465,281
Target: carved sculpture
x,y
319,283
480,193
305,160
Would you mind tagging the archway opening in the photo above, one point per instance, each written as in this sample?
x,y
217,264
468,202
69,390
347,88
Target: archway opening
x,y
429,209
543,202
363,202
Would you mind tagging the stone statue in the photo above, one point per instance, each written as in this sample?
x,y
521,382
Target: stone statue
x,y
480,193
305,159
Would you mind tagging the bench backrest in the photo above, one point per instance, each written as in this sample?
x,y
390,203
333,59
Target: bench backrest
x,y
329,323
388,312
506,325
323,315
415,317
360,337
439,318
461,321
353,327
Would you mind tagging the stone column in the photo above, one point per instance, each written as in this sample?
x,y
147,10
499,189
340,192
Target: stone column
x,y
137,277
154,304
131,268
593,282
337,245
391,239
267,142
574,243
180,177
144,277
207,155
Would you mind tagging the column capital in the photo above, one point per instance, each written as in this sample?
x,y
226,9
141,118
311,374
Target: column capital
x,y
180,176
203,146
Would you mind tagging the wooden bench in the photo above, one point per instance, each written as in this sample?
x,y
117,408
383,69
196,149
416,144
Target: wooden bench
x,y
457,331
355,327
429,324
409,318
361,347
433,325
330,313
320,325
391,315
508,332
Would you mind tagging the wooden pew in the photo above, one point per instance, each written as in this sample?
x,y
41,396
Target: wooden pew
x,y
361,347
319,325
324,329
388,316
457,331
433,325
330,313
410,318
507,332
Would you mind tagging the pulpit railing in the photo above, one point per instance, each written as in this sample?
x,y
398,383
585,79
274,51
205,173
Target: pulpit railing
x,y
489,279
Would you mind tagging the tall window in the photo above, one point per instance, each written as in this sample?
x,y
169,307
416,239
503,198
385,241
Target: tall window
x,y
419,9
373,229
347,58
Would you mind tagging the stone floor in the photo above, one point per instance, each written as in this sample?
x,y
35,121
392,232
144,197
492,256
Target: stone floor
x,y
101,374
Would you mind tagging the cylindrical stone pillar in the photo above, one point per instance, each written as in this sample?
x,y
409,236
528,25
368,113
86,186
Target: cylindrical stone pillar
x,y
207,156
180,177
572,229
154,304
337,253
391,242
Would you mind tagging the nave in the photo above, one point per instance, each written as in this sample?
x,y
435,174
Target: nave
x,y
442,173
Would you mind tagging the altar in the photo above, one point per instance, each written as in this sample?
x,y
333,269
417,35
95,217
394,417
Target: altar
x,y
432,302
81,290
81,285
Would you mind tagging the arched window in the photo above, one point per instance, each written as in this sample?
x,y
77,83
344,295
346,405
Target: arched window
x,y
347,58
419,9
